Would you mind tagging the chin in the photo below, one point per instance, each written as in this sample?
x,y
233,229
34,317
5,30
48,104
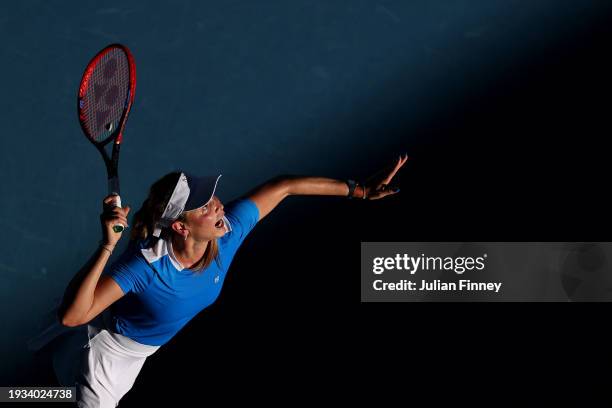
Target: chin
x,y
221,232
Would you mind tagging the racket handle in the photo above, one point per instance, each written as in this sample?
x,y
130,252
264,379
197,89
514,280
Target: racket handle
x,y
118,227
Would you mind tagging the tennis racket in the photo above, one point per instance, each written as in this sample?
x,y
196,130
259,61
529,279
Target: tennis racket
x,y
105,97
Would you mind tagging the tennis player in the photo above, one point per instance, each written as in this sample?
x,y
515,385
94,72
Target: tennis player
x,y
183,240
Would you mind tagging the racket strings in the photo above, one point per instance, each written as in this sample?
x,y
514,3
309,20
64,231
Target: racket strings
x,y
107,94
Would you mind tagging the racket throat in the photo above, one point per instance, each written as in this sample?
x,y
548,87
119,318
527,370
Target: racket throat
x,y
112,165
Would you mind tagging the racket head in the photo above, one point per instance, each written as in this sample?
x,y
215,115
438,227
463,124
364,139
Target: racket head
x,y
106,94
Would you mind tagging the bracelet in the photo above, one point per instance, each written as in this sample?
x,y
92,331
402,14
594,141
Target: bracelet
x,y
105,246
109,251
351,185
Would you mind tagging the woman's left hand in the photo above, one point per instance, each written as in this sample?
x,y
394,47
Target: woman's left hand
x,y
378,185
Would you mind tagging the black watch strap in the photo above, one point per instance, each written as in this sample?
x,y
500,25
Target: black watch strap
x,y
351,185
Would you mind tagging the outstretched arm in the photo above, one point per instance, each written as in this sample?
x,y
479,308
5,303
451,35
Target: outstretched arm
x,y
270,194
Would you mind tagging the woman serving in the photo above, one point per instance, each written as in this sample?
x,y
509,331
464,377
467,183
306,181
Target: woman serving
x,y
182,243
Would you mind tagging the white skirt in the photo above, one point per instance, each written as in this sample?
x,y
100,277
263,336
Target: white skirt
x,y
109,365
103,365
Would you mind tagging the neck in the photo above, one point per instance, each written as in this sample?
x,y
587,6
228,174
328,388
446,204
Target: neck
x,y
188,252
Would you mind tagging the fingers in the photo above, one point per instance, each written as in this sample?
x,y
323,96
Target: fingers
x,y
383,190
110,200
117,220
117,215
119,210
122,222
385,175
402,159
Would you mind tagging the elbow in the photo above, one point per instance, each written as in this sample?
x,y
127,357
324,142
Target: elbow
x,y
61,317
68,322
284,183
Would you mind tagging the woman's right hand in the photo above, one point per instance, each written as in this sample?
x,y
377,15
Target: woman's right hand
x,y
112,215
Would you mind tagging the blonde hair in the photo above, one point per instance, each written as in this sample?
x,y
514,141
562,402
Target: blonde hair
x,y
152,210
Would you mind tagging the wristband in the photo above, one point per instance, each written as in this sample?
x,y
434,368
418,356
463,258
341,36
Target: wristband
x,y
351,185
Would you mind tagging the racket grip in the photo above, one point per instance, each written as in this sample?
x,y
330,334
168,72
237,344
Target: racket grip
x,y
118,227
